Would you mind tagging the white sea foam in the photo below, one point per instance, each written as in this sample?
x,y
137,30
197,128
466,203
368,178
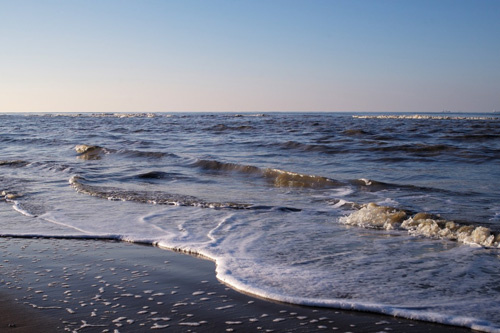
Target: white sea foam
x,y
384,217
17,207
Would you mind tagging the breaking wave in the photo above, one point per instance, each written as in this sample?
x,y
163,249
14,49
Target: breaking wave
x,y
282,178
274,176
421,224
368,216
159,197
151,197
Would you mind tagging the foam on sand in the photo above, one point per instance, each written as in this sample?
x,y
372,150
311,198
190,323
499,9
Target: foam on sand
x,y
116,287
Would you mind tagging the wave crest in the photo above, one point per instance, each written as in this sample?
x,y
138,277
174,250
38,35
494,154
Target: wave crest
x,y
277,177
281,178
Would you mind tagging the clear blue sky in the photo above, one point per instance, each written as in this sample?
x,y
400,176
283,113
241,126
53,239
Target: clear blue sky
x,y
272,55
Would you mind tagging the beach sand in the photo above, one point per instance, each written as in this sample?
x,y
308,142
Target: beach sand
x,y
58,285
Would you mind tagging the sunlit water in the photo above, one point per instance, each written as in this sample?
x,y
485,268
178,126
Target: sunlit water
x,y
391,214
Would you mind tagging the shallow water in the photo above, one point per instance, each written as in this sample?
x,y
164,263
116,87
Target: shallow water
x,y
317,209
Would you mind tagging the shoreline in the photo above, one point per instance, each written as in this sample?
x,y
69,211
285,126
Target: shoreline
x,y
57,285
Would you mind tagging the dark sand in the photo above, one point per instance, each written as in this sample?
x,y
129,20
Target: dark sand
x,y
57,285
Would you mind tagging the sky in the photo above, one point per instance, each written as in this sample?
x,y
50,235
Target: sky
x,y
249,55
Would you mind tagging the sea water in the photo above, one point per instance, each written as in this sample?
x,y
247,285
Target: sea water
x,y
390,213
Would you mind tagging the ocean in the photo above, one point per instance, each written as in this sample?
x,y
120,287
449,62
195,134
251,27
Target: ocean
x,y
390,213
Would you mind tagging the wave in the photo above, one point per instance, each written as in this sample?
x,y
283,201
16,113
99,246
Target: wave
x,y
277,177
274,176
282,178
152,197
421,224
160,197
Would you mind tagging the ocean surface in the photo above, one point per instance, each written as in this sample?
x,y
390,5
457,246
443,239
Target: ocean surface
x,y
390,213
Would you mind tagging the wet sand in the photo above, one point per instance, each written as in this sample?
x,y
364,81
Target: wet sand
x,y
58,285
